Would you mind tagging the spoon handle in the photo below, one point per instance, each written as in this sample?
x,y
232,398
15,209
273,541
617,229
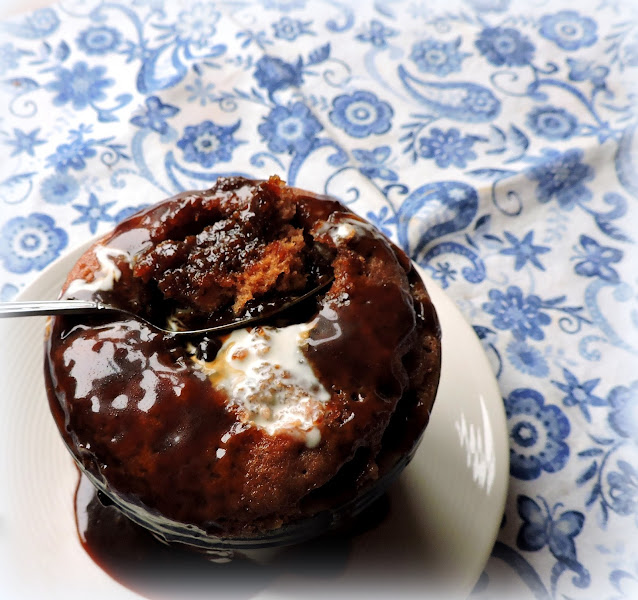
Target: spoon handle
x,y
48,307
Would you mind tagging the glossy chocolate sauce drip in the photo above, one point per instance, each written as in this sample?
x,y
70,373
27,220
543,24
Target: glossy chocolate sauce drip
x,y
137,560
134,558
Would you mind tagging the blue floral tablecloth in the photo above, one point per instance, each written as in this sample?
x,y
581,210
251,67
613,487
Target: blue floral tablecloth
x,y
492,139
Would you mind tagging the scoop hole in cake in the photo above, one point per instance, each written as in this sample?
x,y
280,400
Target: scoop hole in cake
x,y
245,255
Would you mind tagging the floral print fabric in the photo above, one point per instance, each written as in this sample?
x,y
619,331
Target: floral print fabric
x,y
494,140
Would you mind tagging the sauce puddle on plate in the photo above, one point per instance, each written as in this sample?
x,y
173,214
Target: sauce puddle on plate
x,y
137,560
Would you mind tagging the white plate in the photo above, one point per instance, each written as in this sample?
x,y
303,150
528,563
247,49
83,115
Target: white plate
x,y
445,509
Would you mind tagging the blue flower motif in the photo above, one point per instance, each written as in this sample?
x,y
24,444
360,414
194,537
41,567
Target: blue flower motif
x,y
155,115
9,57
290,29
579,394
562,176
383,220
208,143
438,57
81,85
596,260
540,528
377,34
537,433
24,142
71,156
521,314
623,416
41,23
92,213
30,243
443,272
447,147
201,92
552,123
623,489
372,163
569,30
505,46
274,74
361,114
197,25
8,292
59,188
489,5
524,250
527,359
99,40
291,129
133,51
480,103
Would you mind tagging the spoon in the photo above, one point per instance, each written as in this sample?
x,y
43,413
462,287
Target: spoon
x,y
92,307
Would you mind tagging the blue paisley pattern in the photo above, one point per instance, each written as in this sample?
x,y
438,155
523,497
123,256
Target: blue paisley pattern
x,y
494,140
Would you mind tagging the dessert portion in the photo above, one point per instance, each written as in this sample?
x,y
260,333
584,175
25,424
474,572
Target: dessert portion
x,y
254,432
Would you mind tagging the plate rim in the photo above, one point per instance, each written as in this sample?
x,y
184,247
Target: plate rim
x,y
496,412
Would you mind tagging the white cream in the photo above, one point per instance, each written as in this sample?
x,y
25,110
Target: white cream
x,y
269,380
105,278
244,193
344,232
120,402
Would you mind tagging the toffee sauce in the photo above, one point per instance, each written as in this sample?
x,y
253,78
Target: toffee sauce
x,y
142,421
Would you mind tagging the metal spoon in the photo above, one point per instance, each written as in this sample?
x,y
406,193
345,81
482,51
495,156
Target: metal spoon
x,y
88,307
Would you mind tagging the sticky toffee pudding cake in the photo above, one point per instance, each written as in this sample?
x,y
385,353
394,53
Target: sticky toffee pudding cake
x,y
251,433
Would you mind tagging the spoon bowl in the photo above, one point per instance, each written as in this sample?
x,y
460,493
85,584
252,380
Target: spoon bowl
x,y
95,307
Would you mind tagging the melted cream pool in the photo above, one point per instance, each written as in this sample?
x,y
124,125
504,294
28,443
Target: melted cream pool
x,y
269,380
